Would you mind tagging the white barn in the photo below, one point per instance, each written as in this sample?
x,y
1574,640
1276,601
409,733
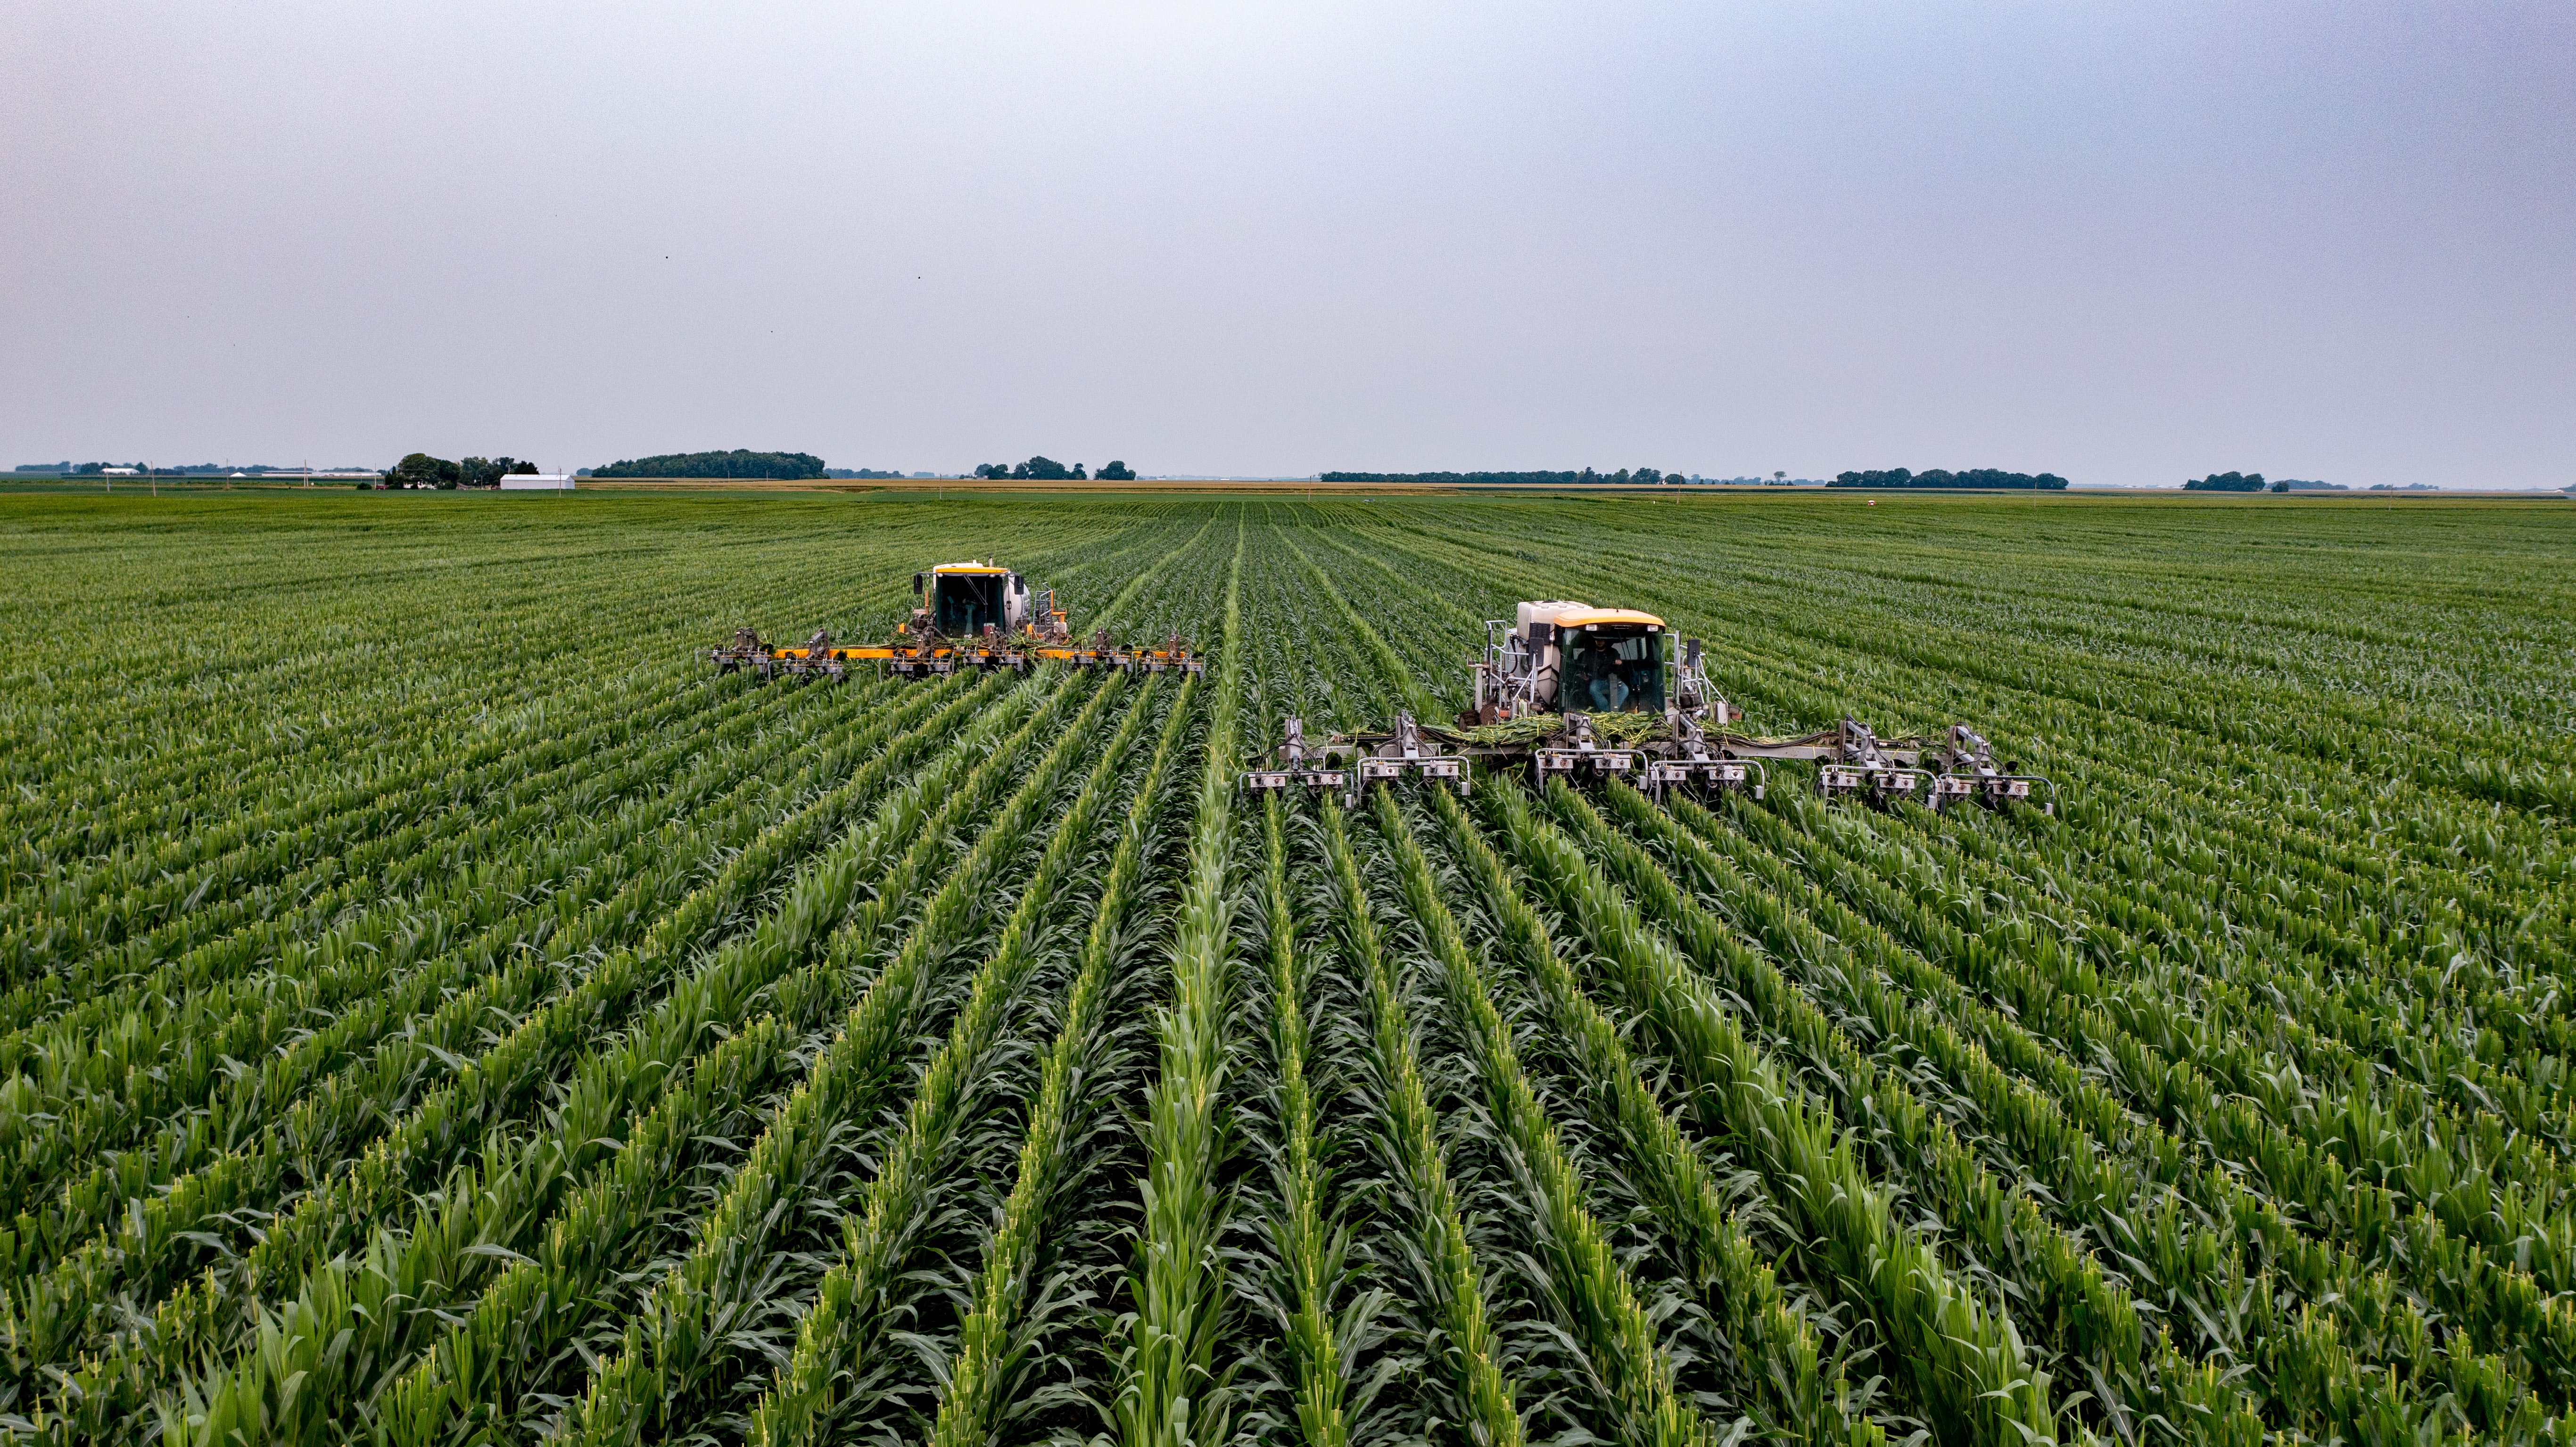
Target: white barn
x,y
537,482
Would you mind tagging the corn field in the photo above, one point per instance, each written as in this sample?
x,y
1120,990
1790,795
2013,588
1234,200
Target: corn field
x,y
437,1008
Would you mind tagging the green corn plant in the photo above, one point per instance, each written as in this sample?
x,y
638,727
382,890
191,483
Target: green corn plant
x,y
2296,1135
377,969
2368,1301
483,1207
161,898
157,978
979,1370
679,1338
1804,1401
1965,1363
1625,1347
1857,963
1172,1390
484,1365
136,1249
1311,1250
1414,1137
192,1321
524,952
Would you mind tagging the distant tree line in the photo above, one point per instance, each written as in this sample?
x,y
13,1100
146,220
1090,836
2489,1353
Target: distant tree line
x,y
862,474
69,469
737,463
2301,484
2225,482
1974,477
1624,477
192,469
1047,469
419,469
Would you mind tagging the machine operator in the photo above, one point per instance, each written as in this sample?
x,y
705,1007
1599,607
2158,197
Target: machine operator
x,y
1600,675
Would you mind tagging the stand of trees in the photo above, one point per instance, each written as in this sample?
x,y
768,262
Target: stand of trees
x,y
1043,469
1624,477
192,469
419,469
67,468
737,463
1975,478
2225,482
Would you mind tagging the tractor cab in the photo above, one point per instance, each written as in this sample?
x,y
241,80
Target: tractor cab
x,y
1610,664
1562,657
959,600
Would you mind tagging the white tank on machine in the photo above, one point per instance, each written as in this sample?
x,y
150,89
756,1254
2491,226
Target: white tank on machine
x,y
1550,658
1549,612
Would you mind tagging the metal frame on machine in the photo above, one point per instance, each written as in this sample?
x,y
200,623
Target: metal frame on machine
x,y
920,650
1692,750
1689,747
820,657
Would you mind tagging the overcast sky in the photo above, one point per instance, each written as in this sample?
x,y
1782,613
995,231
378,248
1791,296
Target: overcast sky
x,y
2125,244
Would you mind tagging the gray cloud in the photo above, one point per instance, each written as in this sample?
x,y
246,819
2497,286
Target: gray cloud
x,y
2123,245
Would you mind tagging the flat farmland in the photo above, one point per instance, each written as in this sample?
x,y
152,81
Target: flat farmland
x,y
436,1007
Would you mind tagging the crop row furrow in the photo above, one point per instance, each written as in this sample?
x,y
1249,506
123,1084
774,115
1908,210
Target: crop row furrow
x,y
141,1257
2118,1205
1171,1387
980,1368
1411,1139
149,896
410,1032
2428,1216
340,1334
1607,1305
99,1095
1802,1397
686,1332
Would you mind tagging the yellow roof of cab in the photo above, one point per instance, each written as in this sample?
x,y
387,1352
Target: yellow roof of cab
x,y
1607,615
968,568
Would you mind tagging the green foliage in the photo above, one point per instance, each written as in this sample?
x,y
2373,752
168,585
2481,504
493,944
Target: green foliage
x,y
1616,728
987,1339
419,469
583,1046
1173,1388
2227,482
1969,479
737,463
1036,469
488,471
1643,476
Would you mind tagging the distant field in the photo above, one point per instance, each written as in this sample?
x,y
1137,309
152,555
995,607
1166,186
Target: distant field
x,y
1146,486
435,1008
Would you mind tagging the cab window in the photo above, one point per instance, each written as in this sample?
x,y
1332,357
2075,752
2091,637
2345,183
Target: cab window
x,y
1614,673
966,602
